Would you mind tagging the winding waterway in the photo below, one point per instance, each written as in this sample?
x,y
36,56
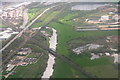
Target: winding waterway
x,y
51,60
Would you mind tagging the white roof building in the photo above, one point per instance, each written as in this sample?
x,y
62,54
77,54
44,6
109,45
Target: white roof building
x,y
104,18
116,58
7,33
10,67
116,17
94,46
107,54
4,36
94,56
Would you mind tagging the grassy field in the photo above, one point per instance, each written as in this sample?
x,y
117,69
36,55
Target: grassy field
x,y
44,21
46,18
103,71
32,13
66,33
64,70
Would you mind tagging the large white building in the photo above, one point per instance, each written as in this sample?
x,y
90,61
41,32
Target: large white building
x,y
104,18
10,67
116,17
7,33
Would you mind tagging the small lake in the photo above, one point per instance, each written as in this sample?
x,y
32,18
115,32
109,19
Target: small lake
x,y
86,6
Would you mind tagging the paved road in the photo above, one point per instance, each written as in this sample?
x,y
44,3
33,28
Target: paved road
x,y
18,35
25,18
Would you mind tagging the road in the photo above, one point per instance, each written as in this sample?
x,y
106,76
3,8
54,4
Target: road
x,y
20,33
25,18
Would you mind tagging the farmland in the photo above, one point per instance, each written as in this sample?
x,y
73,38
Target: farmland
x,y
66,33
64,37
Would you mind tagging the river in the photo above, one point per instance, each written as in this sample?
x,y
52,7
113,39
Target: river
x,y
51,60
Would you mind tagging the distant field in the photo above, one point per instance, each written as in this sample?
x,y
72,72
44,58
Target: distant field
x,y
46,18
41,22
32,13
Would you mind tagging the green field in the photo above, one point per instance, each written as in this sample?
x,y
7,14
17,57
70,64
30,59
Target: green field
x,y
103,71
66,33
32,13
45,18
65,27
64,70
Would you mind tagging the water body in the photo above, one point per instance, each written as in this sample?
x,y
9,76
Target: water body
x,y
86,6
51,60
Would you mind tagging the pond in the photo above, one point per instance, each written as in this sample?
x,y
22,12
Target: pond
x,y
86,6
